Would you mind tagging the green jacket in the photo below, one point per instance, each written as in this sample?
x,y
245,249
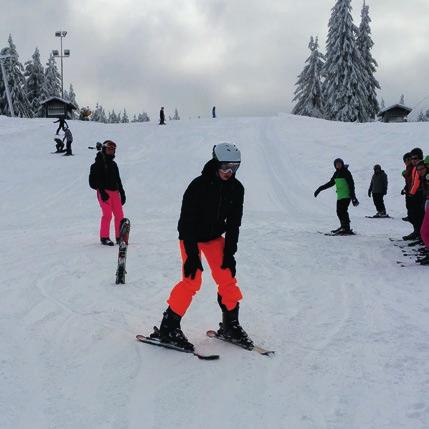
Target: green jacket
x,y
344,183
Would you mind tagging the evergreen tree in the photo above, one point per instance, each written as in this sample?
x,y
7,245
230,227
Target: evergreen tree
x,y
52,79
125,119
35,78
345,95
134,118
16,84
71,96
402,100
96,114
382,104
308,94
365,44
422,117
176,116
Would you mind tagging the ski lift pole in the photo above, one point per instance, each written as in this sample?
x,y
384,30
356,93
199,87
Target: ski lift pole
x,y
6,86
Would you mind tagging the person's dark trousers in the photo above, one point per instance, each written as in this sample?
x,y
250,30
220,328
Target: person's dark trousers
x,y
342,212
60,127
68,148
416,210
379,202
407,204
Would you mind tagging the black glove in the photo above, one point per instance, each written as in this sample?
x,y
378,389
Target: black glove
x,y
229,262
123,196
355,202
191,265
369,193
103,194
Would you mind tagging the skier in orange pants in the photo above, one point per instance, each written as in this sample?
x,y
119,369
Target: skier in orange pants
x,y
212,206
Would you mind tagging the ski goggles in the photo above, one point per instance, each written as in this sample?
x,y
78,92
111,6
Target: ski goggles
x,y
229,167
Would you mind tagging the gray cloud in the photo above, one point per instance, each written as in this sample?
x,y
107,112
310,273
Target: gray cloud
x,y
242,56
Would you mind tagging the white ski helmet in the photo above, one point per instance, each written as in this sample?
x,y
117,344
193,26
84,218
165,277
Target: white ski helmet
x,y
226,152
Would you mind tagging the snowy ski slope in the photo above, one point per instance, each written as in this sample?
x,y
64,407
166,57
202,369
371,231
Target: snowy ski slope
x,y
350,326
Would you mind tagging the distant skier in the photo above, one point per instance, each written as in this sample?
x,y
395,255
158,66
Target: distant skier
x,y
104,177
68,137
378,189
345,187
62,124
214,112
161,116
212,205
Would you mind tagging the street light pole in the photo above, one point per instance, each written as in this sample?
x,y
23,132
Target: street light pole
x,y
6,86
62,55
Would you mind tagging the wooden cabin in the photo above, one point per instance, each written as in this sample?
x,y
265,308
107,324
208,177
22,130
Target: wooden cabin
x,y
395,113
57,107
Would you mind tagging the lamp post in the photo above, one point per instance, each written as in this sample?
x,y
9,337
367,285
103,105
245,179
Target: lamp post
x,y
6,86
61,54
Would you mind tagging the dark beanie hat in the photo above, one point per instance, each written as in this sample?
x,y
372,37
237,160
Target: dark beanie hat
x,y
338,160
417,152
406,156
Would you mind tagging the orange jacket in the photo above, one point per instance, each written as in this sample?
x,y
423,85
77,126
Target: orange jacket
x,y
415,181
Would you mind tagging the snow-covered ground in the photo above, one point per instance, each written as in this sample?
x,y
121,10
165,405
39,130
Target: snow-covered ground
x,y
350,326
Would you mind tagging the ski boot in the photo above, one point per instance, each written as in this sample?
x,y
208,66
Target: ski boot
x,y
345,231
170,332
106,241
231,330
335,231
413,236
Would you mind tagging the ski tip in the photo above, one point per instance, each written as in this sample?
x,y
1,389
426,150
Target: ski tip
x,y
211,334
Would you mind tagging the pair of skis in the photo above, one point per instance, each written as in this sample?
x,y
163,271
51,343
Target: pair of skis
x,y
211,334
124,233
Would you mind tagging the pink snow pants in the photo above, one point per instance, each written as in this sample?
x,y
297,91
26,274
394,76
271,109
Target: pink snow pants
x,y
111,206
424,230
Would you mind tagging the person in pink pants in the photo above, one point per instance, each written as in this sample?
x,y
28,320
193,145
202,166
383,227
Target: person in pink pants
x,y
104,177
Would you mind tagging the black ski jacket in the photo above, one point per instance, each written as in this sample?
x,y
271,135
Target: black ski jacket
x,y
210,207
104,174
378,183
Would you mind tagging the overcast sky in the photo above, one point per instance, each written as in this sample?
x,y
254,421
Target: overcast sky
x,y
241,55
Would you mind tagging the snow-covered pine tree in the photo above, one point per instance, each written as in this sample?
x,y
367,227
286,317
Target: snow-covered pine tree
x,y
382,104
402,100
134,118
35,78
125,119
422,117
365,44
52,79
308,94
176,116
96,114
71,96
344,91
16,83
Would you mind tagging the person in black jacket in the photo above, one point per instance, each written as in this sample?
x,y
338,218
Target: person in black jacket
x,y
212,206
345,187
104,177
378,189
62,124
161,117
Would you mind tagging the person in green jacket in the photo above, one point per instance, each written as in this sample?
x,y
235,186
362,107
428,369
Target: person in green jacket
x,y
345,187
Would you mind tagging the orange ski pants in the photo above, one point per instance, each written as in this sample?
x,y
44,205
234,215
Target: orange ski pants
x,y
181,295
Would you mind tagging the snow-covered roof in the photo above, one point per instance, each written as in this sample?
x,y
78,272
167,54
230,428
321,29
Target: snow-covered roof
x,y
395,106
61,100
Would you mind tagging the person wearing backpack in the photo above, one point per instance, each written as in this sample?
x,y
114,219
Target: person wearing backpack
x,y
104,177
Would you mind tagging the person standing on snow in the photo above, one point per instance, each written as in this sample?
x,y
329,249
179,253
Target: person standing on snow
x,y
104,177
406,174
68,137
423,171
345,187
161,117
212,205
378,189
416,198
